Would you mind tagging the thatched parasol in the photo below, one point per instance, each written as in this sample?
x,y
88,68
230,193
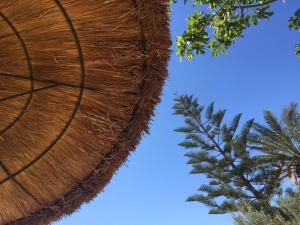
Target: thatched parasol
x,y
78,83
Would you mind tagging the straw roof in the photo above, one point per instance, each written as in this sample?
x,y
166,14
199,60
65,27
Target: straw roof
x,y
78,83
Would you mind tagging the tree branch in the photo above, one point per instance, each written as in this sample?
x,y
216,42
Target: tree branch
x,y
214,15
243,178
242,7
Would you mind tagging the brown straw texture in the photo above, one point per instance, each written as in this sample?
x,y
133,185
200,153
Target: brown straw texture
x,y
79,80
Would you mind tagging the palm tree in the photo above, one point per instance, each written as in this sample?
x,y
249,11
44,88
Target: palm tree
x,y
279,140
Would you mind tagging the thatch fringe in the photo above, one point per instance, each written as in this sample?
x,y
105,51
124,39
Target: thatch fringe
x,y
154,46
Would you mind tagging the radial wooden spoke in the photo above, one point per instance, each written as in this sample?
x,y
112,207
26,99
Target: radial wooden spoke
x,y
29,92
22,77
6,170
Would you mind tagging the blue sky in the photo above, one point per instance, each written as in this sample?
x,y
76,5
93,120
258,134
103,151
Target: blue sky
x,y
260,72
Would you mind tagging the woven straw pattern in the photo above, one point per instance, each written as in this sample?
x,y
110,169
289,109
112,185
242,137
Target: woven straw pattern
x,y
78,83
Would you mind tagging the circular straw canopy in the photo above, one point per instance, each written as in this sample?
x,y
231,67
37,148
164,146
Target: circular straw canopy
x,y
78,83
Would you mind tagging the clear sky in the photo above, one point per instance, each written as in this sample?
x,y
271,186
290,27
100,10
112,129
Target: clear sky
x,y
260,72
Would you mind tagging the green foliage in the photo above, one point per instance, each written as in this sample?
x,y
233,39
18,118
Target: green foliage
x,y
278,140
217,24
294,24
222,155
287,213
298,50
